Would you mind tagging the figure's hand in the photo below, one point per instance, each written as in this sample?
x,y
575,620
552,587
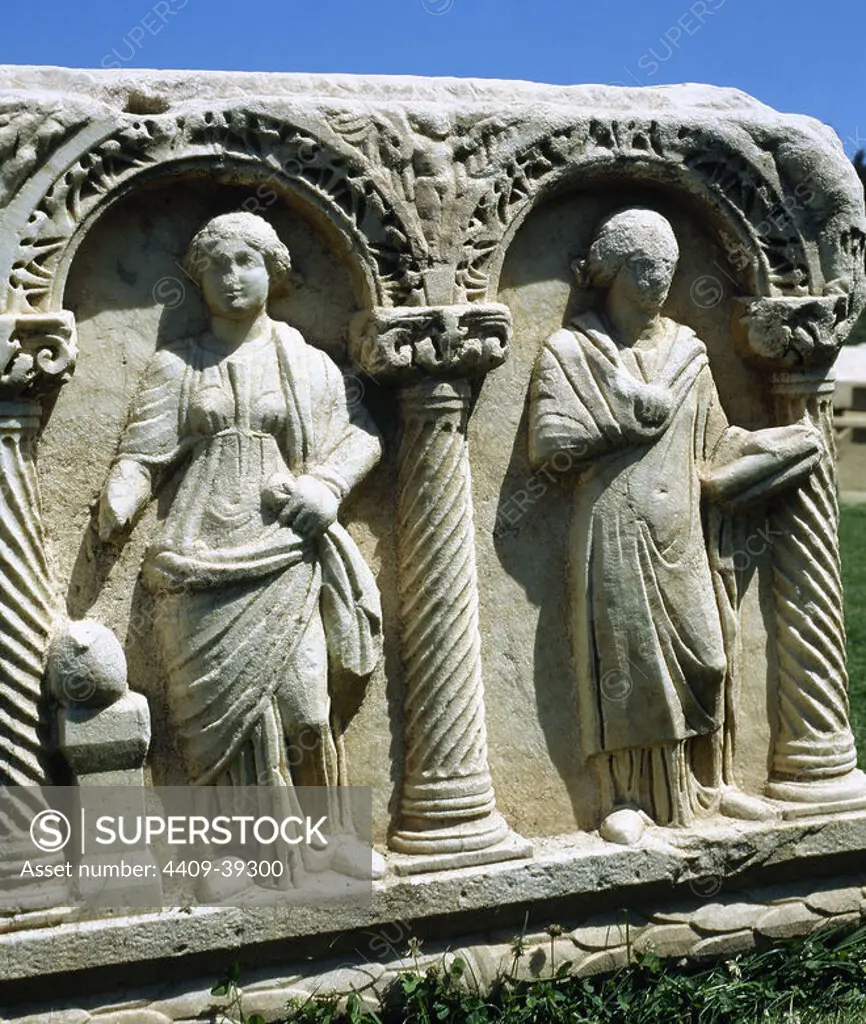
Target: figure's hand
x,y
310,508
808,439
653,405
801,439
125,494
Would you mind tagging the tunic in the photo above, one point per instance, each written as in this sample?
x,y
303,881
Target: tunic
x,y
250,614
646,628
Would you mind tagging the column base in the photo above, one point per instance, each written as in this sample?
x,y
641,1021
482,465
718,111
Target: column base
x,y
464,844
831,796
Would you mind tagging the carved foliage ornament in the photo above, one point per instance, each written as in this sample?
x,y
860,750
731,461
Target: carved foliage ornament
x,y
440,341
286,153
768,212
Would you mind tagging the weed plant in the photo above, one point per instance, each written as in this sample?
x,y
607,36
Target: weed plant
x,y
818,980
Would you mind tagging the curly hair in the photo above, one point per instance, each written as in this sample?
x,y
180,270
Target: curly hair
x,y
249,228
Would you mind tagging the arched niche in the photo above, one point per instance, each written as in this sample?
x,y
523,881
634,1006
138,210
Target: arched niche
x,y
523,530
47,220
184,194
125,285
763,219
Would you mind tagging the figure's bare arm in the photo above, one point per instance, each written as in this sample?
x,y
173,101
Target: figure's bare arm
x,y
751,466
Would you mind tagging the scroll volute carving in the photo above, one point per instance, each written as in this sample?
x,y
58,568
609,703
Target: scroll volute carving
x,y
37,354
446,342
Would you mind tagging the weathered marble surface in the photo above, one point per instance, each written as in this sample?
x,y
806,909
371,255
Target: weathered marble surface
x,y
440,235
719,882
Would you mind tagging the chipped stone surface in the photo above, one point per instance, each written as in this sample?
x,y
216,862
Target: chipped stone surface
x,y
603,962
608,930
487,961
724,945
453,361
726,917
836,901
665,939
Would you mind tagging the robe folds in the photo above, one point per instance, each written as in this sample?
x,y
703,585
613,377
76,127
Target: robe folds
x,y
652,603
250,614
646,629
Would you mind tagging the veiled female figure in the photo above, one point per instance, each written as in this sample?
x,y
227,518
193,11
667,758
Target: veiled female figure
x,y
259,592
629,395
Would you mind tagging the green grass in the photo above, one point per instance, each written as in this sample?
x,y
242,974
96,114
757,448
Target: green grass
x,y
819,980
852,542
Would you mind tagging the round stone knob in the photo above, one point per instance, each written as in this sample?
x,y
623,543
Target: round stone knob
x,y
86,665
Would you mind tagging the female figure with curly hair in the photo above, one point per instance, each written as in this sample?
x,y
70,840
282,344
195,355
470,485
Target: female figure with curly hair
x,y
259,591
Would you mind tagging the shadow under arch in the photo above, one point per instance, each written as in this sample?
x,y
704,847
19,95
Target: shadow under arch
x,y
534,510
701,194
262,190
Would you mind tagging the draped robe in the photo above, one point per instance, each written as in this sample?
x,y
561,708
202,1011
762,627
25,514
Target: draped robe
x,y
250,614
647,629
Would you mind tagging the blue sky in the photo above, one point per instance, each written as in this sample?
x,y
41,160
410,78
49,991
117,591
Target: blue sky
x,y
795,55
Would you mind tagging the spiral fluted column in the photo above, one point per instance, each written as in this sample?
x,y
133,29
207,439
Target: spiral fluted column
x,y
814,759
448,813
813,769
447,783
37,354
27,603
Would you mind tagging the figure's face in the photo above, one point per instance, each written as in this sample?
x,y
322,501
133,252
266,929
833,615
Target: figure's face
x,y
235,283
645,279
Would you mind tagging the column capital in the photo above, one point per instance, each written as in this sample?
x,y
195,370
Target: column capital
x,y
786,333
37,353
406,344
808,382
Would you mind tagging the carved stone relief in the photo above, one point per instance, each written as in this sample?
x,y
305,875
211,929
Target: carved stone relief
x,y
302,640
447,811
261,595
628,394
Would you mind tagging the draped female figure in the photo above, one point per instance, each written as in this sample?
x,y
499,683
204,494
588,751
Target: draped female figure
x,y
629,395
261,596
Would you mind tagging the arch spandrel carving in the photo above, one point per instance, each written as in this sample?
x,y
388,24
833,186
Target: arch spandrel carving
x,y
771,224
282,156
